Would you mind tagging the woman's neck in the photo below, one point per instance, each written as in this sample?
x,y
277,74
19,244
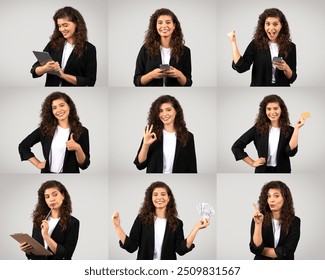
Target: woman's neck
x,y
64,124
169,128
276,215
55,213
161,213
165,42
275,124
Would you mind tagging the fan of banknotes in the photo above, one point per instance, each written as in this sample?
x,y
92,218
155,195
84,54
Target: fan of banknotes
x,y
205,210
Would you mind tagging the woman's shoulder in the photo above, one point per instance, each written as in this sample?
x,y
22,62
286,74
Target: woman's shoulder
x,y
90,46
74,220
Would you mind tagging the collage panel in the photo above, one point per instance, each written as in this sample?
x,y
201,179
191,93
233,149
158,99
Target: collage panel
x,y
32,25
128,113
243,20
245,104
236,196
128,28
25,105
86,235
127,195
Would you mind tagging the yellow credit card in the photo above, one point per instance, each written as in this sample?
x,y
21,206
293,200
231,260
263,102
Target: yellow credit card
x,y
305,115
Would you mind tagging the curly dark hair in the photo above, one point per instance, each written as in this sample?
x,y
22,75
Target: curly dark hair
x,y
42,209
179,123
49,122
147,211
287,212
263,123
284,38
80,35
152,39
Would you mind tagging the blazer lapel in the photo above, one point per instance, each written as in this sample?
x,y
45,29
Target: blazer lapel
x,y
72,57
177,153
264,146
167,232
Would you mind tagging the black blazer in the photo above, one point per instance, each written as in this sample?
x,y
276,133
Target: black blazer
x,y
261,144
145,64
70,164
66,241
142,237
83,67
262,66
184,160
287,243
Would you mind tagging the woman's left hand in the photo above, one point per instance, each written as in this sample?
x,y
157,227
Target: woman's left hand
x,y
71,144
173,73
281,65
203,223
300,122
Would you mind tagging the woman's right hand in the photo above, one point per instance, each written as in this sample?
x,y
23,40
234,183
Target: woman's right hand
x,y
157,74
41,164
25,247
232,36
258,216
116,219
259,162
149,137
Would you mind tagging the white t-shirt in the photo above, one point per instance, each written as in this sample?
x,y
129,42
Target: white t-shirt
x,y
276,231
274,49
58,149
67,50
52,224
159,228
274,136
165,58
169,148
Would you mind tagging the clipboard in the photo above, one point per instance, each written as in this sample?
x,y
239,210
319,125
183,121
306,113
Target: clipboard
x,y
38,249
43,58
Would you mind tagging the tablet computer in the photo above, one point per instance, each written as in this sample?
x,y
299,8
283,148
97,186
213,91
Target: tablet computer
x,y
38,249
43,58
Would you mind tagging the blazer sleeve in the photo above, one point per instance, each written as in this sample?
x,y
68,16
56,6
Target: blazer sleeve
x,y
187,70
84,143
291,242
238,148
89,77
288,151
25,146
244,63
291,60
132,242
180,246
140,67
192,159
141,165
66,249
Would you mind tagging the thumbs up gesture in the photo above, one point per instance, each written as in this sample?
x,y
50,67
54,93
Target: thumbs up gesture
x,y
71,144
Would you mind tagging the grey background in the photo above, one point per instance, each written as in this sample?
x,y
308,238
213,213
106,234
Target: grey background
x,y
126,194
235,197
128,22
20,116
236,112
305,18
89,196
128,111
28,26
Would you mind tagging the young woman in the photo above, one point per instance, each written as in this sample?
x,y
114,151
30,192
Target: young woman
x,y
167,146
275,140
53,225
163,44
74,58
157,233
271,39
65,142
275,230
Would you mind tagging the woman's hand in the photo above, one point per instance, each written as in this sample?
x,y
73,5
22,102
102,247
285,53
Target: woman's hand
x,y
116,219
41,164
300,122
149,137
72,145
281,65
45,228
202,223
157,74
25,247
232,36
258,216
259,162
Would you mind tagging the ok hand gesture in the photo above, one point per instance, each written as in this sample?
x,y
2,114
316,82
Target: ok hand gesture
x,y
149,137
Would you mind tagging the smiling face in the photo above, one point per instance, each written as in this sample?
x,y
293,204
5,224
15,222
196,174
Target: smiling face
x,y
167,114
272,27
160,198
273,112
67,28
53,198
165,26
60,109
275,200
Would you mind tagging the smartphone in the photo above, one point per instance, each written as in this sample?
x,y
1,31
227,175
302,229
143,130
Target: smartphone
x,y
164,67
277,59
